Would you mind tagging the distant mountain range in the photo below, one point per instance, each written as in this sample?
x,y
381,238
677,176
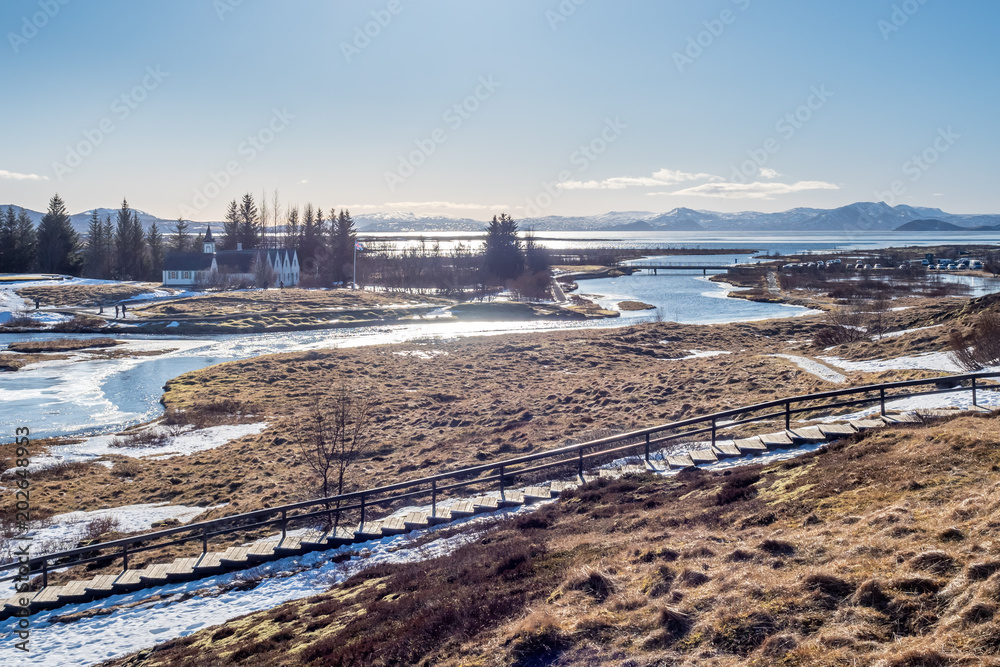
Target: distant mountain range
x,y
859,217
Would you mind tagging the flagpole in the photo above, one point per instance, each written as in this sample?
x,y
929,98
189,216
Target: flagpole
x,y
354,274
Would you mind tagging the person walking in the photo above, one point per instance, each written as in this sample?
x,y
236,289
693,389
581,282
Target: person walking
x,y
116,311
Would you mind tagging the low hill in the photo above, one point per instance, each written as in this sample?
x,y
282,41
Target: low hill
x,y
876,550
929,226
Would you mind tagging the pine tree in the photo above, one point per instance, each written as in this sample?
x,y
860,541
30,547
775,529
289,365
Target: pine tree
x,y
57,242
130,247
25,243
8,228
95,254
231,227
310,240
503,258
155,245
292,229
344,236
179,240
249,223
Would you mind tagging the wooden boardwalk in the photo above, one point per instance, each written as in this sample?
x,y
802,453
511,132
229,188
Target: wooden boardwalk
x,y
283,545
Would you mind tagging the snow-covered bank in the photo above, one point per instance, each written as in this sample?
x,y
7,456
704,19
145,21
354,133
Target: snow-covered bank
x,y
930,361
814,367
180,444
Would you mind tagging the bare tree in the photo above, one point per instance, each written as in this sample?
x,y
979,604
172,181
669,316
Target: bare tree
x,y
340,435
980,346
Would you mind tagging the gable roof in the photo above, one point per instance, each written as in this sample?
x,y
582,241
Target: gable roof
x,y
187,261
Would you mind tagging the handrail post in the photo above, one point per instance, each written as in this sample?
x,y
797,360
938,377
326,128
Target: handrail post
x,y
713,431
974,404
647,448
204,540
124,558
284,522
788,415
362,527
881,398
580,466
45,572
502,496
434,498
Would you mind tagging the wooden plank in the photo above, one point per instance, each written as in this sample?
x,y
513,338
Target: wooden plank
x,y
208,563
726,449
289,545
393,525
234,556
835,431
154,574
48,596
370,530
866,424
776,440
533,494
416,520
679,462
127,581
181,569
806,434
937,412
313,539
512,499
903,418
441,515
633,469
340,537
102,583
12,605
75,591
556,488
703,456
485,504
750,445
262,551
462,508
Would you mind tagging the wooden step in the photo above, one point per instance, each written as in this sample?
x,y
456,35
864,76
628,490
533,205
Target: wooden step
x,y
806,434
340,537
633,469
75,591
313,539
48,598
13,605
462,509
609,473
260,552
534,494
726,449
209,563
181,569
903,418
776,440
416,520
703,456
750,446
439,516
234,557
511,499
154,574
866,424
933,413
102,584
836,431
127,581
679,461
394,525
290,545
485,504
557,488
370,530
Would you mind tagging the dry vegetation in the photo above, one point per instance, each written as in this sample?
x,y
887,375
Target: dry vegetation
x,y
85,295
61,345
878,550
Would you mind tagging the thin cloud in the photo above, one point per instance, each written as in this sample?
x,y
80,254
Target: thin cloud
x,y
756,190
657,180
14,176
767,172
398,205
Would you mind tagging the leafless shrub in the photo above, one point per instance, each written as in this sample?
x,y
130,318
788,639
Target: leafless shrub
x,y
980,347
126,468
99,526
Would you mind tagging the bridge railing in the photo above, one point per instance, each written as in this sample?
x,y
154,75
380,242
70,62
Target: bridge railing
x,y
499,474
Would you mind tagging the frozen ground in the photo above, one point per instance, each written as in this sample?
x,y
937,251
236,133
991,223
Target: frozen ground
x,y
123,631
179,444
930,361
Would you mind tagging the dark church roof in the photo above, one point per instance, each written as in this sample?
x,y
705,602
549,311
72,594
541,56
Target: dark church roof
x,y
187,261
208,235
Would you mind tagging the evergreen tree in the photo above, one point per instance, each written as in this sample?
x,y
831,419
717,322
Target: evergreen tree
x,y
8,229
179,241
503,258
156,251
25,243
96,253
310,240
57,242
249,223
230,227
343,237
130,246
292,229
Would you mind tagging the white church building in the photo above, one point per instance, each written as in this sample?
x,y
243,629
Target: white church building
x,y
187,269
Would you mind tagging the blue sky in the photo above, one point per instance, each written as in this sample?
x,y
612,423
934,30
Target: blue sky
x,y
470,107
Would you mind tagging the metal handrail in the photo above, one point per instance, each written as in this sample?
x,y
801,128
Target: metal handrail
x,y
575,455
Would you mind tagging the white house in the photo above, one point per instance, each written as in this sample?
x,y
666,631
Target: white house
x,y
187,269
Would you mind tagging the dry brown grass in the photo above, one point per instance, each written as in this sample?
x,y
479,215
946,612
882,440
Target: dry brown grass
x,y
61,345
84,295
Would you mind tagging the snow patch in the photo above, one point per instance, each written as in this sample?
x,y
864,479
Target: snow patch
x,y
930,361
815,368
